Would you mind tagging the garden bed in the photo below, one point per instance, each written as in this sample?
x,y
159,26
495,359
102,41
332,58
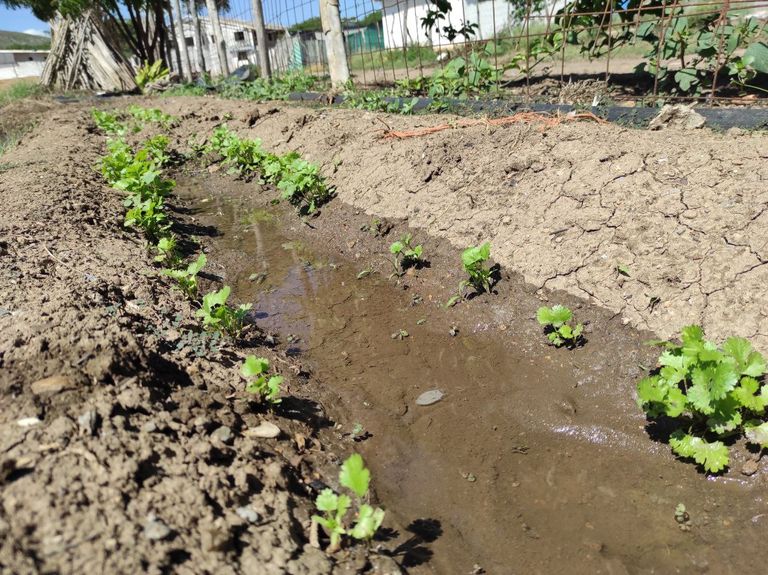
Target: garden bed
x,y
536,459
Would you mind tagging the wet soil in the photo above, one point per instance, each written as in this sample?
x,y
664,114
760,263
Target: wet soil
x,y
685,211
536,460
126,441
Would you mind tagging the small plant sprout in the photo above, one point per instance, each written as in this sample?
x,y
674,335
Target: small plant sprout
x,y
187,278
255,370
167,251
713,393
406,255
473,260
218,316
355,477
556,322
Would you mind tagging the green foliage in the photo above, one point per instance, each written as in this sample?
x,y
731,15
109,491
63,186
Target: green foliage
x,y
702,46
109,123
406,255
556,320
716,392
465,76
255,369
302,185
218,316
187,277
20,90
355,477
150,115
299,181
473,259
149,73
379,101
698,45
262,89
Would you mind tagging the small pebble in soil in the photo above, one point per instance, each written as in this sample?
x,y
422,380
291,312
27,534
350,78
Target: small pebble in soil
x,y
430,397
155,529
28,422
88,421
265,429
750,467
222,434
248,513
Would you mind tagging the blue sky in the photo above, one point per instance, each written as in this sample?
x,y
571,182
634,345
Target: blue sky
x,y
21,20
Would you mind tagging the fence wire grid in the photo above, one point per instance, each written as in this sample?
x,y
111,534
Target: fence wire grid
x,y
640,48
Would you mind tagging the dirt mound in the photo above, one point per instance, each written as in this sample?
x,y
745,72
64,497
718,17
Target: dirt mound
x,y
565,206
124,447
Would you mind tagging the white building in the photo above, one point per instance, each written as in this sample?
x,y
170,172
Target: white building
x,y
402,20
240,42
22,63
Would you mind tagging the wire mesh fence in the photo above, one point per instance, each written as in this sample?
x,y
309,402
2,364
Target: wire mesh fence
x,y
638,48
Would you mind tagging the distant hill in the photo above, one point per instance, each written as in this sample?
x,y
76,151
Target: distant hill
x,y
19,41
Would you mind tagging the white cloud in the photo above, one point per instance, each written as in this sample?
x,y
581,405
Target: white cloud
x,y
34,32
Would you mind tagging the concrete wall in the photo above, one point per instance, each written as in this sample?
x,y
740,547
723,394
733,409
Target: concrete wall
x,y
21,63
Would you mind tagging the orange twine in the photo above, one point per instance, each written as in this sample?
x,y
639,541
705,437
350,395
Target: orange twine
x,y
546,121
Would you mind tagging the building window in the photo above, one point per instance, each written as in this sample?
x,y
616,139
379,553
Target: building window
x,y
189,41
242,56
239,36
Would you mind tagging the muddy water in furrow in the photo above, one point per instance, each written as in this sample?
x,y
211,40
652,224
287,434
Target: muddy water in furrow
x,y
535,461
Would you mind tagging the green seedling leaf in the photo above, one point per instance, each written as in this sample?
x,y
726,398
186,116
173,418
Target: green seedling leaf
x,y
253,366
757,433
354,475
712,456
623,270
368,522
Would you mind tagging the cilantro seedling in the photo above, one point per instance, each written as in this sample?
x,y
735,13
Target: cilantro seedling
x,y
355,477
218,316
406,255
556,322
167,251
714,393
255,370
187,277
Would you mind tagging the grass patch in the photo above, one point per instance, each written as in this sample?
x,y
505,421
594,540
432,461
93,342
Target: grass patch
x,y
20,90
9,140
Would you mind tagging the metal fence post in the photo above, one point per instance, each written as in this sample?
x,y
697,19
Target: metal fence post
x,y
261,39
334,42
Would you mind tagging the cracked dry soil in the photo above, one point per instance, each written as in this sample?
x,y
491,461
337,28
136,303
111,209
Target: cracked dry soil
x,y
684,211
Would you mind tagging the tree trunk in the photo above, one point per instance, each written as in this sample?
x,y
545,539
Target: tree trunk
x,y
334,42
192,9
181,40
261,38
221,48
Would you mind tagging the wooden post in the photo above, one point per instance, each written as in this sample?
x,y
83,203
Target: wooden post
x,y
334,42
192,9
186,69
218,35
261,39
